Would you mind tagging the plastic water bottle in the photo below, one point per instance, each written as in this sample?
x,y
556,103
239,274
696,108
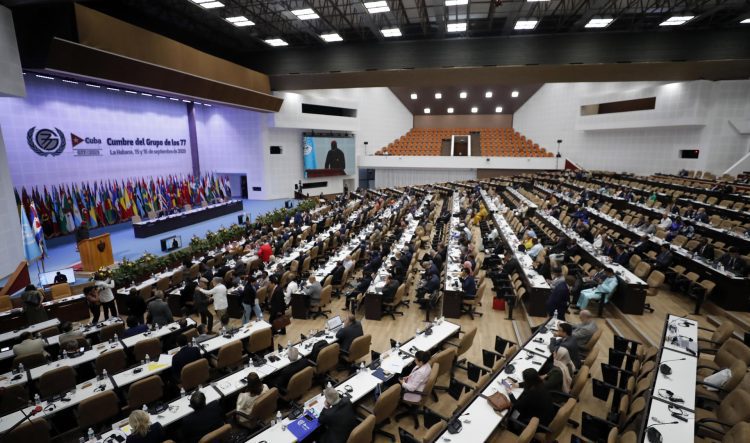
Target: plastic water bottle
x,y
554,316
92,436
148,359
288,344
104,374
328,385
182,392
195,342
362,367
64,354
116,338
37,399
20,367
145,408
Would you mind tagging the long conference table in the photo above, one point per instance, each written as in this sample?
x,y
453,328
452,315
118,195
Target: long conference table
x,y
160,225
478,419
537,286
671,407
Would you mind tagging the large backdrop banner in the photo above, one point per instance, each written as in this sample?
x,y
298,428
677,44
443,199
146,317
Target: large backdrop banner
x,y
66,132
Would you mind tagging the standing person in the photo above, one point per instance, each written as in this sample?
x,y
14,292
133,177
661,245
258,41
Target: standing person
x,y
335,158
200,305
106,297
558,298
337,417
278,307
92,298
158,310
250,301
33,309
219,295
136,305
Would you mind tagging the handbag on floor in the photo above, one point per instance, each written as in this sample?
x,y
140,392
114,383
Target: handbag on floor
x,y
498,304
281,322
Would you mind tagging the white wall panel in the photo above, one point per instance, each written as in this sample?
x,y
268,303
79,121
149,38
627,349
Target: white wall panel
x,y
386,178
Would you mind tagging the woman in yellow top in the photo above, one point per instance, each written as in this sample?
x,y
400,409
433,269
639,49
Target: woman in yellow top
x,y
481,215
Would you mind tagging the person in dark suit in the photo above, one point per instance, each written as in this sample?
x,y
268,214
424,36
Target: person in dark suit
x,y
664,259
351,330
158,310
431,285
134,327
338,418
186,355
621,255
535,401
397,269
278,305
733,262
362,286
136,305
642,246
558,298
335,158
390,288
204,419
565,339
705,250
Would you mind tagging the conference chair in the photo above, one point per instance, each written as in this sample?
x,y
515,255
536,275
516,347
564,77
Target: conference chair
x,y
325,299
218,435
144,392
56,381
298,386
145,292
731,350
112,361
194,374
654,282
264,410
733,409
162,284
362,433
326,362
30,361
190,334
60,290
259,341
445,360
390,308
229,356
718,336
35,430
384,407
464,344
557,425
359,348
525,437
108,332
738,369
469,305
150,347
97,409
415,408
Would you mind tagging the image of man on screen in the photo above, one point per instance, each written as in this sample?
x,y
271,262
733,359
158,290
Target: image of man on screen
x,y
335,158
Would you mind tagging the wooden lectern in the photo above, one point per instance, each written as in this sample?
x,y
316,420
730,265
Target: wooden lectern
x,y
96,252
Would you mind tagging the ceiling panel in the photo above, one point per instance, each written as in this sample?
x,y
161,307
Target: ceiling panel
x,y
475,97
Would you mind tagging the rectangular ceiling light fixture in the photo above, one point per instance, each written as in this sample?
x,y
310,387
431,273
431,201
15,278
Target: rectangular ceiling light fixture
x,y
599,22
677,20
746,21
391,32
456,2
276,42
239,21
456,27
305,14
332,37
377,7
525,25
208,4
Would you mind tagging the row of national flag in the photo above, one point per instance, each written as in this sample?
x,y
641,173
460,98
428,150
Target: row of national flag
x,y
61,209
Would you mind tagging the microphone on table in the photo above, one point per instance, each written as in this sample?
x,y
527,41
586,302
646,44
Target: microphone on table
x,y
653,435
665,369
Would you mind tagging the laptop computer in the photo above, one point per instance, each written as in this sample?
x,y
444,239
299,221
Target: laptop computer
x,y
334,323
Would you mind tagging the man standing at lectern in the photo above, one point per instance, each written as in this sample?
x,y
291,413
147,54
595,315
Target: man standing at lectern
x,y
335,158
82,233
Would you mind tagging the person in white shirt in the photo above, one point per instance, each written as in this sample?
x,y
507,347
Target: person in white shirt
x,y
291,288
494,234
536,248
348,263
219,294
466,231
417,380
106,297
665,222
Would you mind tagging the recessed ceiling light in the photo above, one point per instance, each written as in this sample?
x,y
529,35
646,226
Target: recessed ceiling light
x,y
450,110
332,37
456,2
305,14
599,22
174,99
95,86
525,25
206,104
276,42
488,94
498,109
160,96
46,77
413,95
438,95
208,4
456,27
239,21
746,21
112,89
677,20
146,94
474,110
514,94
426,110
131,92
391,32
70,81
376,7
463,94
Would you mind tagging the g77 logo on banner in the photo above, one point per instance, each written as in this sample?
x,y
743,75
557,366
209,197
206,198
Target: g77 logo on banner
x,y
46,142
